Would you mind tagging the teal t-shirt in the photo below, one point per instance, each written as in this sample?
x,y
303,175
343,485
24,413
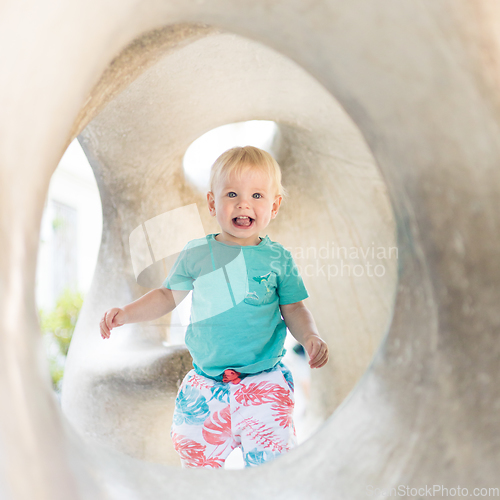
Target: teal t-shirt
x,y
235,321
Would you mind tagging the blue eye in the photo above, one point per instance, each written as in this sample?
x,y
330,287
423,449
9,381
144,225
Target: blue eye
x,y
257,195
230,194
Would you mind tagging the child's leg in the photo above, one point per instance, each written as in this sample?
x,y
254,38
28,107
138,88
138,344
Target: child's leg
x,y
201,428
263,415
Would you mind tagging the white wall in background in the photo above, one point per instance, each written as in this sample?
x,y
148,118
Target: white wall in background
x,y
71,229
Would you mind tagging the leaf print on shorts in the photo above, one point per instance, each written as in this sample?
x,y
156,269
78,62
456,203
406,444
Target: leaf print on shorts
x,y
199,382
220,392
193,453
256,457
261,434
283,413
261,393
190,407
217,427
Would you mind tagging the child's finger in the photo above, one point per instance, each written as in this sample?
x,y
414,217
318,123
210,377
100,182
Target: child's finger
x,y
313,351
321,358
320,361
104,332
108,319
105,327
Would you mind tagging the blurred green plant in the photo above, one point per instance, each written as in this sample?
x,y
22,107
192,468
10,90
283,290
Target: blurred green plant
x,y
57,327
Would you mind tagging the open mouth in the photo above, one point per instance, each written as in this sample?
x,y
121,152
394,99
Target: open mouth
x,y
243,221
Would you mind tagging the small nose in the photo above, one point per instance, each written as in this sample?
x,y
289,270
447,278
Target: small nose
x,y
243,202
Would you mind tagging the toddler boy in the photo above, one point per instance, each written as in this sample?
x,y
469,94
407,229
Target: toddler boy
x,y
238,393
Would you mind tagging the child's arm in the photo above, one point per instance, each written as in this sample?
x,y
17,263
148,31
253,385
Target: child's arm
x,y
301,324
152,305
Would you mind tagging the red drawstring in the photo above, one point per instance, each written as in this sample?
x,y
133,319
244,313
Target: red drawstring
x,y
231,376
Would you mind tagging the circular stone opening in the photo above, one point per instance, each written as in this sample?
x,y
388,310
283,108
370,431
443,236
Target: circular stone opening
x,y
336,221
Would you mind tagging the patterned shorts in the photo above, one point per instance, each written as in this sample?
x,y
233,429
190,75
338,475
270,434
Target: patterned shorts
x,y
213,418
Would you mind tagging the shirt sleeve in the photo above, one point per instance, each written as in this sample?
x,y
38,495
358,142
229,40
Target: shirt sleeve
x,y
180,277
291,288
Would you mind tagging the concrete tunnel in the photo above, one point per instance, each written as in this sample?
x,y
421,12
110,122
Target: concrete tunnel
x,y
387,121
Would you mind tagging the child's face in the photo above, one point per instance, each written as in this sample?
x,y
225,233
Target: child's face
x,y
244,205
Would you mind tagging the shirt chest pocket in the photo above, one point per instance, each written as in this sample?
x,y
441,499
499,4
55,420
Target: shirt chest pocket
x,y
262,289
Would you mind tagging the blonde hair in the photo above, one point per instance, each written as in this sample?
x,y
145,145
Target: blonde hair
x,y
241,159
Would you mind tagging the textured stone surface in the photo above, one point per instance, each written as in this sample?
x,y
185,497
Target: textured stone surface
x,y
420,82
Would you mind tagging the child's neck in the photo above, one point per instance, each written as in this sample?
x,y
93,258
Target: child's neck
x,y
252,241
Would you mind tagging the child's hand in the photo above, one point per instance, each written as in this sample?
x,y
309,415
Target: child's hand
x,y
111,319
317,350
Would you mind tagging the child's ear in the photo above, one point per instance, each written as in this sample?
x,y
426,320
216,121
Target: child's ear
x,y
211,203
276,206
